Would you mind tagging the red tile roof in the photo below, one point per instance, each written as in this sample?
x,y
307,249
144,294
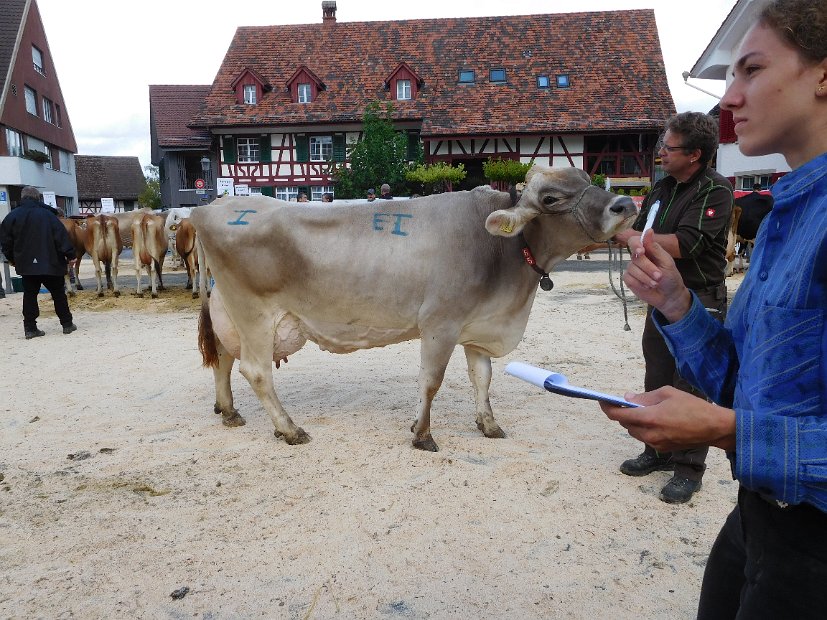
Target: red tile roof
x,y
613,58
171,108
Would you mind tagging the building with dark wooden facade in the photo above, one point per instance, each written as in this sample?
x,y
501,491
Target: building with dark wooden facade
x,y
115,177
576,89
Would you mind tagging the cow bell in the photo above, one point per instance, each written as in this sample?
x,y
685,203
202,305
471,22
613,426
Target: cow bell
x,y
545,283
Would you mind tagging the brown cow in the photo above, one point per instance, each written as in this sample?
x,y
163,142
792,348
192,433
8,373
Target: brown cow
x,y
185,246
77,235
149,247
103,244
731,241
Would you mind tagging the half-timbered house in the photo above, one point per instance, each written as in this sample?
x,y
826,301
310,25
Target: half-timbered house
x,y
575,89
99,176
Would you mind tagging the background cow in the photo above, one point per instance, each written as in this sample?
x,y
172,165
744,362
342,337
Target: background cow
x,y
103,244
185,247
149,247
361,276
77,235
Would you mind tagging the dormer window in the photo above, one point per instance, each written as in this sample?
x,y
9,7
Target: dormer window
x,y
249,86
304,86
403,82
563,80
543,81
467,76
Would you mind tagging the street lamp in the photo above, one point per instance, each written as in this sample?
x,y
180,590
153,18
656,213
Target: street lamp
x,y
206,166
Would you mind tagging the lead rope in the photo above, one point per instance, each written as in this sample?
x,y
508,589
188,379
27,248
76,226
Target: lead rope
x,y
622,294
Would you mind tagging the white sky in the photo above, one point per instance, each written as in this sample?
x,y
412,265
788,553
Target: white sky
x,y
108,52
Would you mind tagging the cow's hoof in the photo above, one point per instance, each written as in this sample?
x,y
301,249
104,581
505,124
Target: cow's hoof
x,y
117,293
232,419
71,293
100,294
141,295
154,295
195,295
298,438
428,444
492,431
79,287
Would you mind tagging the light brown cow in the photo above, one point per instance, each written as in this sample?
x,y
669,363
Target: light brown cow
x,y
732,240
454,268
149,247
185,246
103,244
77,235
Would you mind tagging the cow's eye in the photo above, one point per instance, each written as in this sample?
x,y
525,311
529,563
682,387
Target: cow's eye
x,y
549,200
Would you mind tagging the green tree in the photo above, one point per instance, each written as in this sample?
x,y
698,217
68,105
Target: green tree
x,y
505,172
380,157
428,178
151,195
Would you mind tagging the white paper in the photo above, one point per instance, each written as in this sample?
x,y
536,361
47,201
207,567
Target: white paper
x,y
558,384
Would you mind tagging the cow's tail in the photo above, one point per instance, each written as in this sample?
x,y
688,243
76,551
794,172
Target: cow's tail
x,y
206,335
146,258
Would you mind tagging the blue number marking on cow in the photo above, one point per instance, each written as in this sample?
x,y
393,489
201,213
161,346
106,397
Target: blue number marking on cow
x,y
380,219
240,221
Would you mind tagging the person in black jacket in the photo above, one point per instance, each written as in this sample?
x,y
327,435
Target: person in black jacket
x,y
38,246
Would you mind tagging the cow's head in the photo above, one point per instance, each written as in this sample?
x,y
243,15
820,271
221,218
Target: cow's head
x,y
565,192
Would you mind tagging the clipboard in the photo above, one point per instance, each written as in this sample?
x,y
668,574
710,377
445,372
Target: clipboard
x,y
558,384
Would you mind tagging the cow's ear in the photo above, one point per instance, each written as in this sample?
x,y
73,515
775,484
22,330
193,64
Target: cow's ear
x,y
508,222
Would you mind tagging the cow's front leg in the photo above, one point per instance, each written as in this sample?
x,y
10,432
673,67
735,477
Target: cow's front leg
x,y
223,388
153,280
257,367
435,352
479,371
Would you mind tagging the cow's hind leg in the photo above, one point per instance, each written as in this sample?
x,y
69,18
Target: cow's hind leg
x,y
257,367
223,388
435,352
479,371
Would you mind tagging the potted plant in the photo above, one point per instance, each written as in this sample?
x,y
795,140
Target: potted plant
x,y
36,156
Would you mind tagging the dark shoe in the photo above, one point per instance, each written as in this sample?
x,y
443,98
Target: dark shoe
x,y
679,490
35,334
68,329
647,463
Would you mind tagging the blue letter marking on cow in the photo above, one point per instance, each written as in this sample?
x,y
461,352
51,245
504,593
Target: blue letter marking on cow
x,y
239,221
383,218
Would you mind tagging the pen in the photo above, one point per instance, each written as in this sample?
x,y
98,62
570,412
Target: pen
x,y
650,218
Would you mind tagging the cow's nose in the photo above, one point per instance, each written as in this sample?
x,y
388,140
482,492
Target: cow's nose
x,y
621,204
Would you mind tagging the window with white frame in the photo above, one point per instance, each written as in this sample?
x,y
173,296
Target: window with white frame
x,y
37,59
14,142
317,191
287,193
48,150
748,181
31,100
321,148
250,94
305,94
403,89
48,115
255,191
247,150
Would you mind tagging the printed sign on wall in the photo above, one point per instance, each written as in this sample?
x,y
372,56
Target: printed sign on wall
x,y
224,187
107,205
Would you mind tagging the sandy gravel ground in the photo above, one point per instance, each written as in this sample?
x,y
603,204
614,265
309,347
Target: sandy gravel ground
x,y
119,486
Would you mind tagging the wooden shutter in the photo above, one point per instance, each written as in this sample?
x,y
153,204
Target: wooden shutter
x,y
268,191
726,128
265,155
338,147
228,142
302,148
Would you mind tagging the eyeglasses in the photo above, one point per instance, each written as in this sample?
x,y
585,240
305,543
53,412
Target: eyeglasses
x,y
661,146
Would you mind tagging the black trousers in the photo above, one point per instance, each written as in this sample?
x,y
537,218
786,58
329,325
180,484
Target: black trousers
x,y
31,287
661,370
767,563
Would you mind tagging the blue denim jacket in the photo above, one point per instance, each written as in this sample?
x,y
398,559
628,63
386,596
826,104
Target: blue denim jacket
x,y
768,361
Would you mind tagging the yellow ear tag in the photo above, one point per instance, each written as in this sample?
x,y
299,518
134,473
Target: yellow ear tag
x,y
506,227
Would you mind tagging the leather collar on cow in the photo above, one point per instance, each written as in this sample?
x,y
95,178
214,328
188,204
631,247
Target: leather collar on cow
x,y
545,282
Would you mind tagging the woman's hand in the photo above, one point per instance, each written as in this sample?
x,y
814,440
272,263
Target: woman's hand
x,y
674,420
654,278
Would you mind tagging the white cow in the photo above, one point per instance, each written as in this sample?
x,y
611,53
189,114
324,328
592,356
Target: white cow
x,y
450,269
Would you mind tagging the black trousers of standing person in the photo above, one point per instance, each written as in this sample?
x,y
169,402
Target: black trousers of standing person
x,y
31,287
661,371
768,562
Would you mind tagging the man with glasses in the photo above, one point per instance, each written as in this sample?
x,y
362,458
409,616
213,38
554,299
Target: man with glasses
x,y
695,204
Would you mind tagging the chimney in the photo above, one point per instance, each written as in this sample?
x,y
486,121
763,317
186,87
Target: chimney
x,y
329,11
